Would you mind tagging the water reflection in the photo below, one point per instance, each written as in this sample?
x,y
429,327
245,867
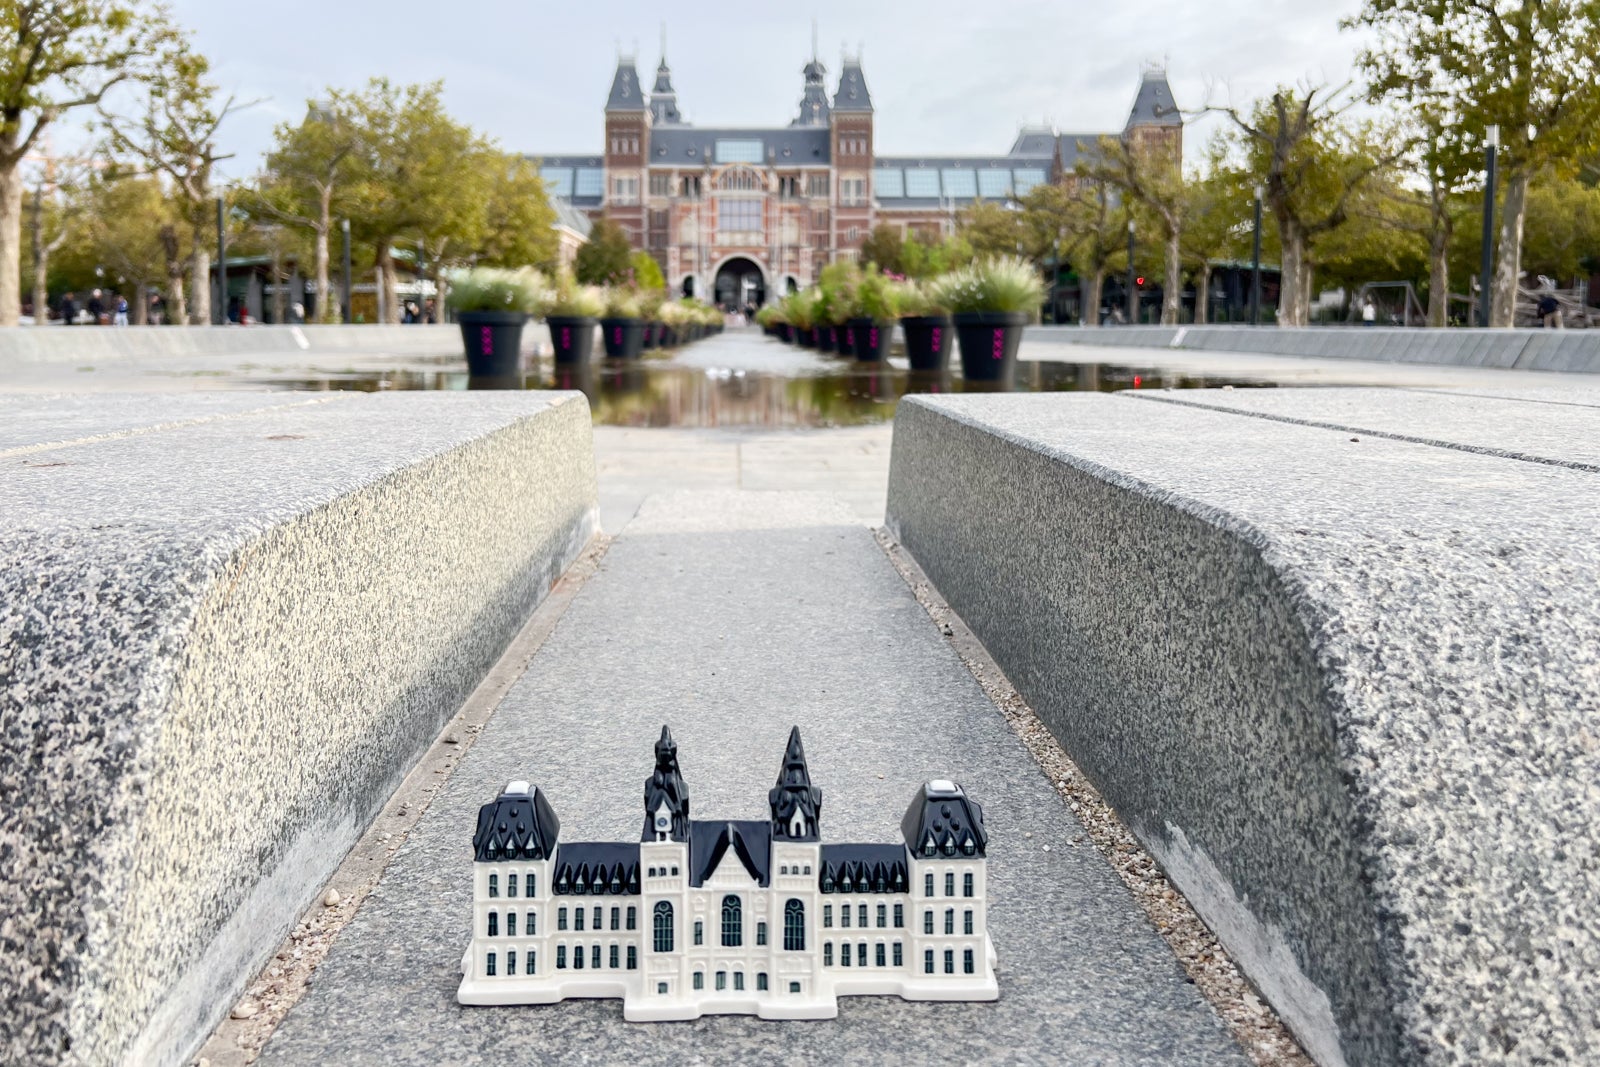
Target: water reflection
x,y
704,386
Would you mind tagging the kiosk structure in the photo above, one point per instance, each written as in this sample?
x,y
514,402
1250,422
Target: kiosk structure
x,y
753,917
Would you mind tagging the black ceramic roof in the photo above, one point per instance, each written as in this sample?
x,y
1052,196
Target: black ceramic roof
x,y
852,94
750,840
795,793
596,868
1154,105
626,92
943,814
515,826
694,146
863,869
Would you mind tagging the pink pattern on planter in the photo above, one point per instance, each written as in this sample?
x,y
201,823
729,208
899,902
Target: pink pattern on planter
x,y
616,335
938,339
872,338
486,340
566,338
999,344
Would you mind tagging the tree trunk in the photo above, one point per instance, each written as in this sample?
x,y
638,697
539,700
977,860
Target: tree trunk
x,y
278,286
200,283
1508,265
1172,285
1439,277
326,309
1291,277
10,245
1202,295
141,305
1089,298
41,264
388,289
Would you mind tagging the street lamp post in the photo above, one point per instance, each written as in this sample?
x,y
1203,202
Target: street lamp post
x,y
344,228
1491,143
220,314
1133,292
1255,265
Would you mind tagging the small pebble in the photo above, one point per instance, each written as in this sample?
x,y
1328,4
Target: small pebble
x,y
1047,848
244,1010
331,900
451,739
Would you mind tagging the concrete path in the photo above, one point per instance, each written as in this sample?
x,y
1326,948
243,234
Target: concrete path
x,y
731,616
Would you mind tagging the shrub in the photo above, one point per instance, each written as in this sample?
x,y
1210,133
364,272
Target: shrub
x,y
838,287
1000,283
495,289
622,302
877,297
572,300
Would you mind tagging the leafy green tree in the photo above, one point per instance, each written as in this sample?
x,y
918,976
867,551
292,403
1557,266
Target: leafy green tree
x,y
606,258
646,271
1311,162
992,229
123,230
1218,218
1531,67
55,56
415,174
1150,173
1562,236
309,164
173,131
918,260
50,224
883,246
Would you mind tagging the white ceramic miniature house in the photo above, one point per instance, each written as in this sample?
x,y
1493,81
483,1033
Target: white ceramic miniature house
x,y
740,917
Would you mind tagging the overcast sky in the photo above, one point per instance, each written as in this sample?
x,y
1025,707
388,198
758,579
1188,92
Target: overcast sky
x,y
947,76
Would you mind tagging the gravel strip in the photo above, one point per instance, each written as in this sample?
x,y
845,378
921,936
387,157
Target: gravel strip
x,y
287,977
1253,1023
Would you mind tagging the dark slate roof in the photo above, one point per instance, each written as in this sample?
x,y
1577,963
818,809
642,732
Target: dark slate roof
x,y
997,162
626,92
750,840
1073,148
664,99
569,217
943,815
1154,105
568,161
863,869
691,146
519,824
1034,141
852,94
597,867
814,101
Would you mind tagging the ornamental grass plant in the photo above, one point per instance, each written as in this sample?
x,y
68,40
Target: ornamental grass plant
x,y
523,291
877,297
622,302
570,300
995,284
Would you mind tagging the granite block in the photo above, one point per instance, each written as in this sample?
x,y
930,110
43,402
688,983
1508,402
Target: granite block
x,y
1343,687
225,635
731,617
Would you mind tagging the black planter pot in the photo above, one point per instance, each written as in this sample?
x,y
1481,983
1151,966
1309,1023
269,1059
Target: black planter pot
x,y
785,333
869,339
832,340
493,340
652,334
624,338
806,337
989,342
928,341
572,336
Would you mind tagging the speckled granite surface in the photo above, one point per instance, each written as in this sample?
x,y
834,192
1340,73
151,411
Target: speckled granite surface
x,y
732,617
1346,690
226,629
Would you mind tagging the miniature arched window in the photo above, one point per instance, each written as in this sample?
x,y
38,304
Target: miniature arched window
x,y
966,884
494,924
528,889
511,963
861,914
633,917
794,926
511,925
663,922
967,922
488,967
761,981
883,915
511,884
761,933
732,922
927,884
532,927
949,920
949,883
494,885
827,953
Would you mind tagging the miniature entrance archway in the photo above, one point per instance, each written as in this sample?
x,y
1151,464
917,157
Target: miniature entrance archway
x,y
740,281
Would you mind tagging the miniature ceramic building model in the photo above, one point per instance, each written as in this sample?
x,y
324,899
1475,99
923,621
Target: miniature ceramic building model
x,y
745,916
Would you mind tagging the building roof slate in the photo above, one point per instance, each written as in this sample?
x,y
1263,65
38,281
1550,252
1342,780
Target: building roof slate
x,y
852,94
1154,106
519,824
695,146
863,869
597,868
626,92
750,840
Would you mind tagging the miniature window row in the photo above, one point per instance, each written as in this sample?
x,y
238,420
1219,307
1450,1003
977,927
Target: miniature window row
x,y
968,964
599,917
511,885
949,921
861,911
614,956
490,964
880,955
661,872
529,930
794,869
967,885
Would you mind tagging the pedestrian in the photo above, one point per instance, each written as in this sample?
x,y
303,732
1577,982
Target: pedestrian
x,y
430,312
158,309
97,309
297,312
408,316
233,309
1550,311
1369,312
120,318
69,310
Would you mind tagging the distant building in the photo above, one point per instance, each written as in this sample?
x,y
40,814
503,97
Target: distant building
x,y
712,916
733,214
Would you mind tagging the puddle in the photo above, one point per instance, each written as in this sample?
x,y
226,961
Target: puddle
x,y
754,382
